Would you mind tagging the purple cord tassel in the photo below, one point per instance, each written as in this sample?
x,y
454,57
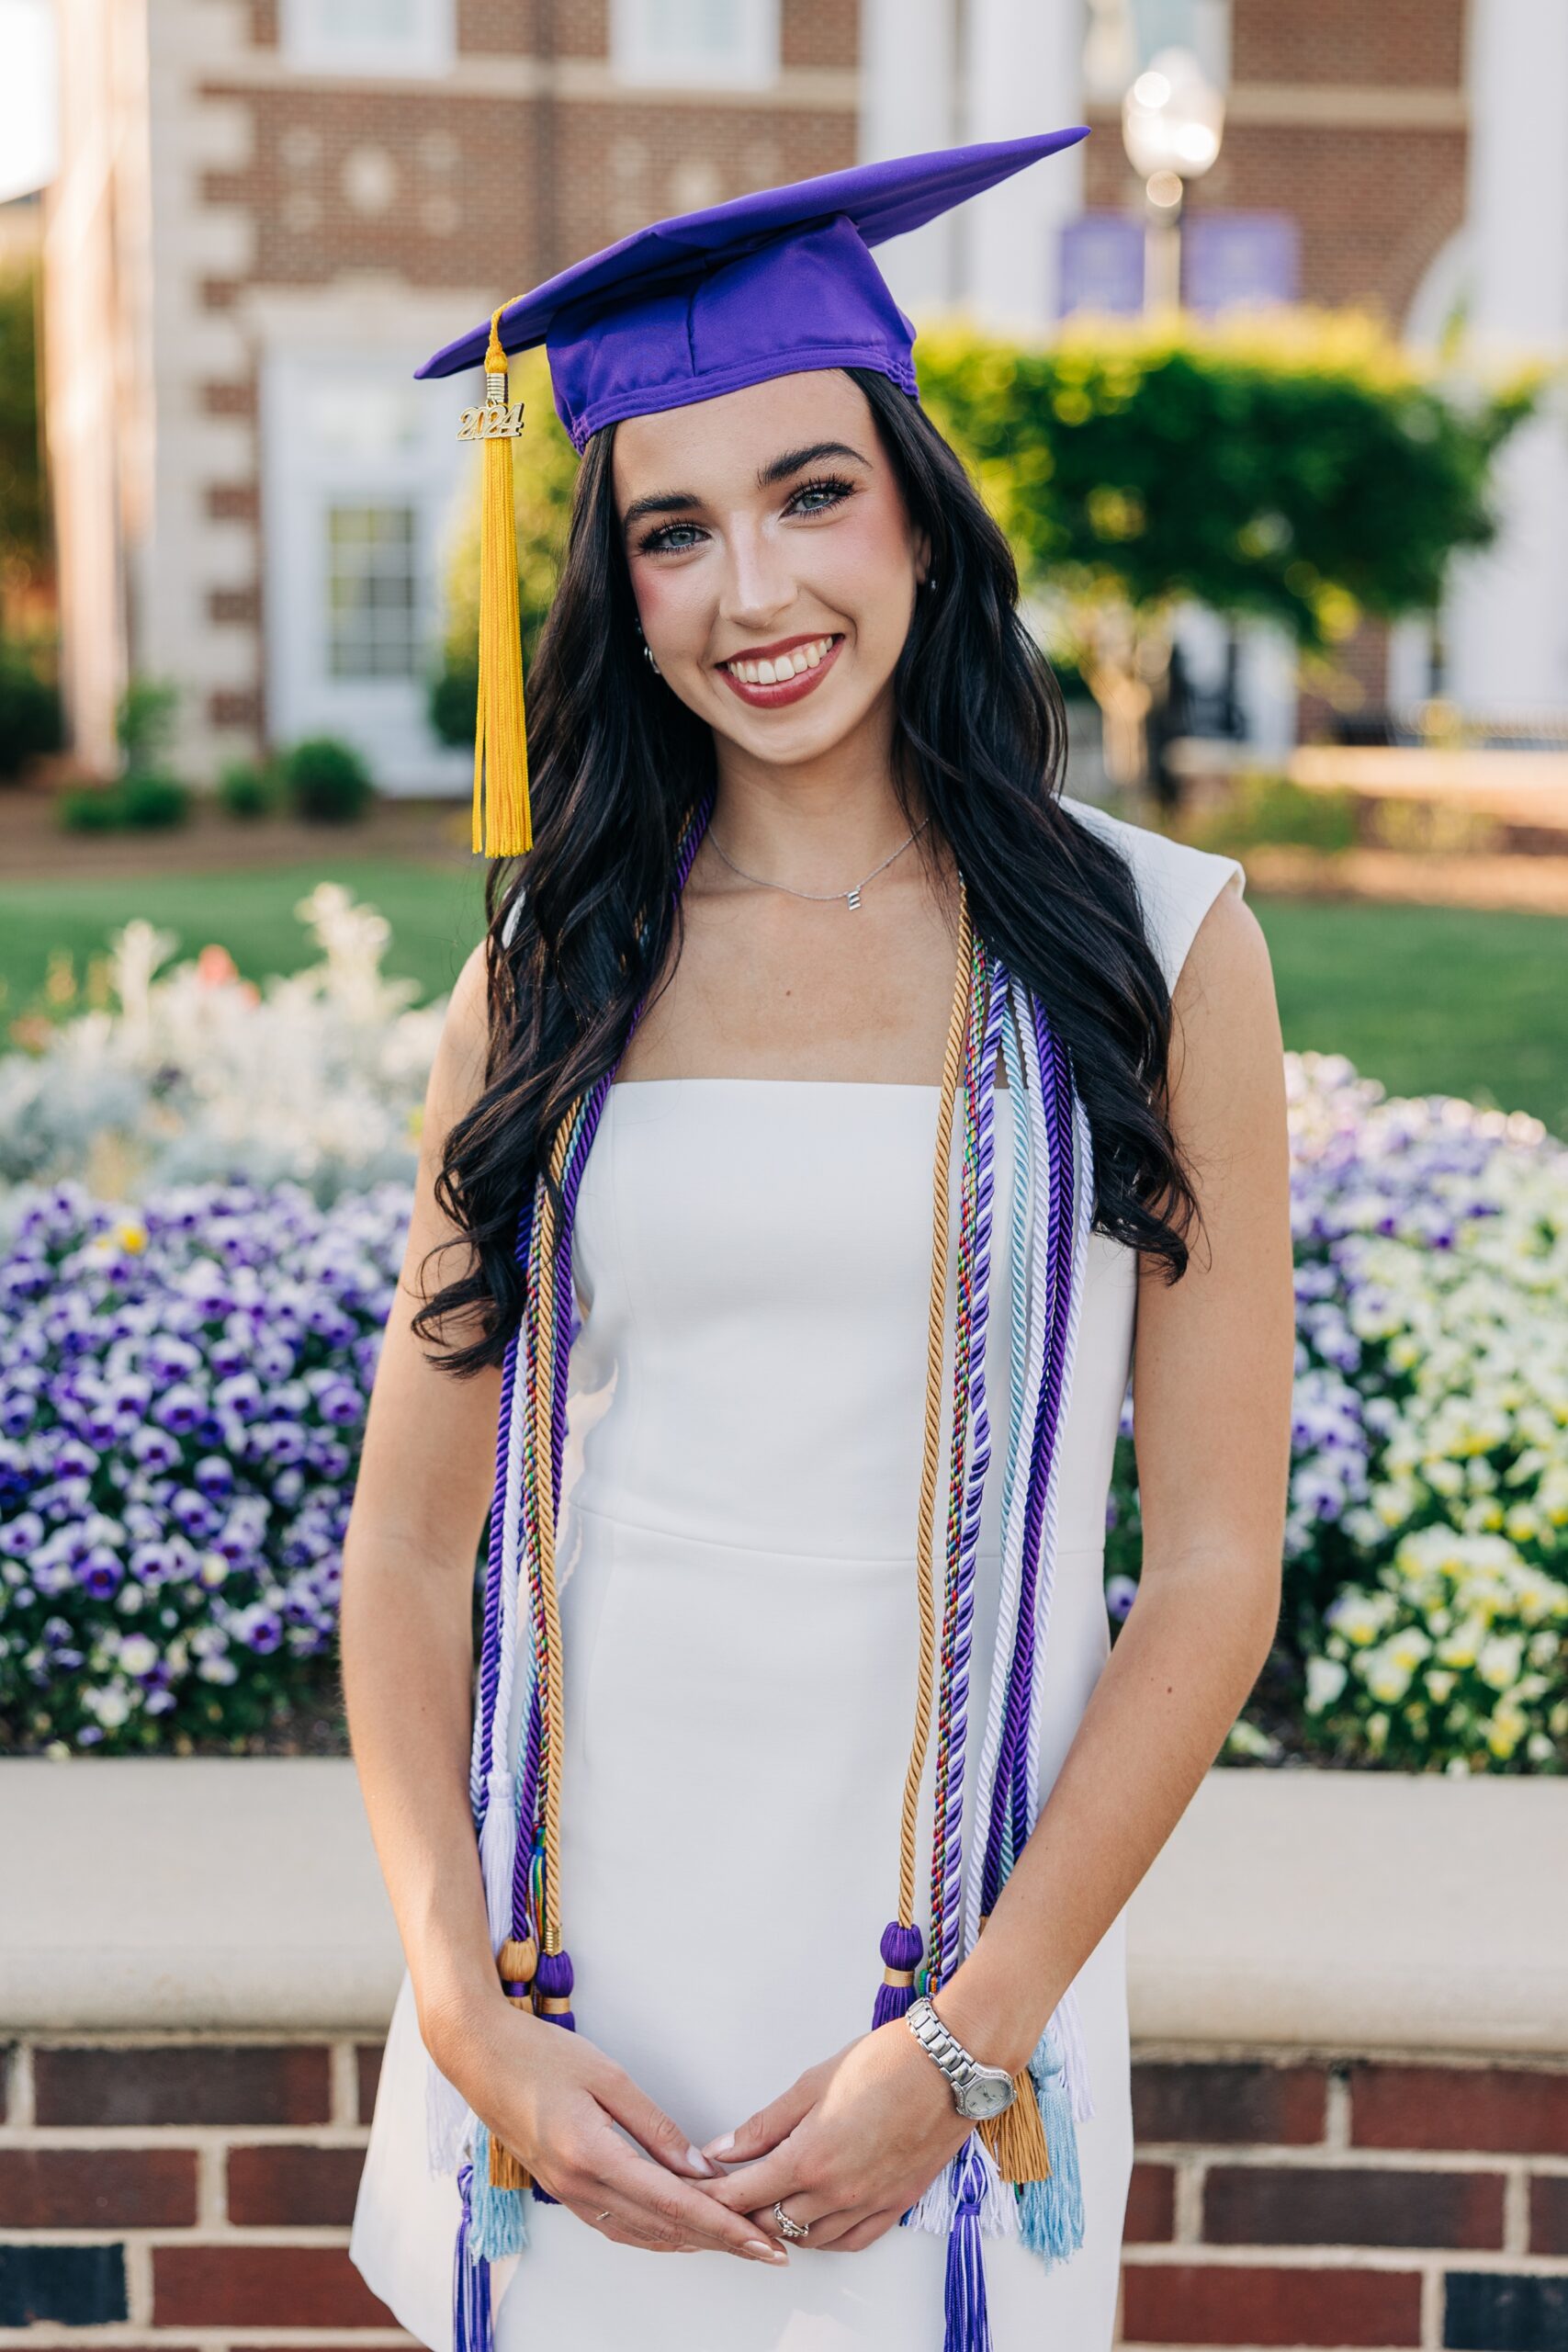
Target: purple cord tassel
x,y
471,2330
902,1948
968,2327
552,1981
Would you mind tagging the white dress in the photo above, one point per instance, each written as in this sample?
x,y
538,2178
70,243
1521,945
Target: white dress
x,y
739,1641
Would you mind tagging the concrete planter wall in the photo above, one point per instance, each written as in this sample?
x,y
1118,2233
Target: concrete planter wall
x,y
1349,2002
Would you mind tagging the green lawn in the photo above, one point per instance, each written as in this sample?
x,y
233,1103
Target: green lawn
x,y
1424,998
1429,1000
436,913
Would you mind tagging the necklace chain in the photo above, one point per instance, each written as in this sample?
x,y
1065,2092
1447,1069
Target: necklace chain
x,y
820,898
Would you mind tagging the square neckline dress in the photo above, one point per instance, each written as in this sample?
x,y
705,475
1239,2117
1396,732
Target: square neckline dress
x,y
735,1551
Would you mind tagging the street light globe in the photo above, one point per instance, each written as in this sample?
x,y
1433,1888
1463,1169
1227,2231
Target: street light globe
x,y
1172,117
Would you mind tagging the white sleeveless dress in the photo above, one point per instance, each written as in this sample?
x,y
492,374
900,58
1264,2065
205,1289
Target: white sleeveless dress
x,y
739,1628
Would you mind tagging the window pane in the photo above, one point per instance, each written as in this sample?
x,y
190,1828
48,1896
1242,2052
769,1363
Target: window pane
x,y
344,22
371,592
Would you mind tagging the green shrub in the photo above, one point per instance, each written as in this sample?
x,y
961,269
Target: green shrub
x,y
151,803
145,722
139,804
31,719
247,788
327,781
1264,810
92,808
454,698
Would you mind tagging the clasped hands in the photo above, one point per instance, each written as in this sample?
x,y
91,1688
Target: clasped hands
x,y
848,2148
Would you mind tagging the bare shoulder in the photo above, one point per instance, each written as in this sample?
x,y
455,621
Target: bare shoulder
x,y
1227,973
462,1055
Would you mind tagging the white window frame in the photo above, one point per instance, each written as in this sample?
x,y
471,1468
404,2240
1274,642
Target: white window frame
x,y
386,717
311,43
638,58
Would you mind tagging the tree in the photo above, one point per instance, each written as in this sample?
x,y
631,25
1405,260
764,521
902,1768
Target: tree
x,y
1301,469
25,551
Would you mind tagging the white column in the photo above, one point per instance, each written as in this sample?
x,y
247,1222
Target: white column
x,y
909,103
1506,614
1023,69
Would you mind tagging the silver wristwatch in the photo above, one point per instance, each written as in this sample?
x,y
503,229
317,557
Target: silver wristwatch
x,y
978,2091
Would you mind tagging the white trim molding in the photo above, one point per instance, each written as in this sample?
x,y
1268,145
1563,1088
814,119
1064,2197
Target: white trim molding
x,y
1334,1911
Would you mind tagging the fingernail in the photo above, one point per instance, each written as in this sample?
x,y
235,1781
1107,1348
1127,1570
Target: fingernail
x,y
720,2147
698,2162
764,2250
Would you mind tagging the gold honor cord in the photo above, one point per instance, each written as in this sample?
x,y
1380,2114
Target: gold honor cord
x,y
935,1338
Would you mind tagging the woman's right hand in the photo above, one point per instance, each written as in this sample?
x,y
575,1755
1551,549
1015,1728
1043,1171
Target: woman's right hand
x,y
555,2099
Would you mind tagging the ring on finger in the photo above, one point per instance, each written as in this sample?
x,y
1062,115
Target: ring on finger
x,y
789,2228
603,2216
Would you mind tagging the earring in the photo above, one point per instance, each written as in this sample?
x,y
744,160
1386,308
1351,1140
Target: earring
x,y
931,582
652,664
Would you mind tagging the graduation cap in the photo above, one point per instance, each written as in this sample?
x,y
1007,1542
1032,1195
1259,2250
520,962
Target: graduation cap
x,y
707,303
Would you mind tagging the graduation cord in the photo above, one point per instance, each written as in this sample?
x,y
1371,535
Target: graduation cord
x,y
901,1942
1020,2173
948,1727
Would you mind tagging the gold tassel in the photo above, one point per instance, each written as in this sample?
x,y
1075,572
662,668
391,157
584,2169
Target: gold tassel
x,y
502,820
517,1962
1017,2136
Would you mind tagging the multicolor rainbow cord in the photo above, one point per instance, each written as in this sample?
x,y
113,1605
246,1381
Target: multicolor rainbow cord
x,y
1020,2176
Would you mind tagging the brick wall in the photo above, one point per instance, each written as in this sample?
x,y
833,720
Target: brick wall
x,y
1348,2202
187,2192
173,2191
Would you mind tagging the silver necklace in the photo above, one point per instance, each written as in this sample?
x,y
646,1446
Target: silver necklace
x,y
820,898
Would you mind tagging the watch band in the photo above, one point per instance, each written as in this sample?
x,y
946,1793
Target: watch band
x,y
965,2074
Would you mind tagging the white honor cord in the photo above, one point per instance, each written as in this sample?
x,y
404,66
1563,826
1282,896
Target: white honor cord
x,y
1027,1369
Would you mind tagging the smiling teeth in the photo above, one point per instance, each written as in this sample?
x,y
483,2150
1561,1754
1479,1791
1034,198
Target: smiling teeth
x,y
783,665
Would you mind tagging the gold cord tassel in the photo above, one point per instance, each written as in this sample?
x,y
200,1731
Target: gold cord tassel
x,y
517,1962
1017,2136
502,820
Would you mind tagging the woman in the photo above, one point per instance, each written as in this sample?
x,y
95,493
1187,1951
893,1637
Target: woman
x,y
804,906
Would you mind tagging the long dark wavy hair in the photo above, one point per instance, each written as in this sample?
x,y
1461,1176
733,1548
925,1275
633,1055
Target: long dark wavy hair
x,y
618,761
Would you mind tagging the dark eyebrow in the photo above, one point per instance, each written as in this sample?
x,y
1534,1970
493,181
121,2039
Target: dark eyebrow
x,y
792,459
681,502
667,501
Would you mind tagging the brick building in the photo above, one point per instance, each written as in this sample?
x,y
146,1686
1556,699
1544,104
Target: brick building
x,y
268,211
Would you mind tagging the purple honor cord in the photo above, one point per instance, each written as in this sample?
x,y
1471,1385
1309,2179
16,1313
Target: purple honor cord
x,y
969,1541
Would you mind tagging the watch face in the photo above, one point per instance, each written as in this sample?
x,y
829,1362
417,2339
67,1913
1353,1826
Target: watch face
x,y
988,2094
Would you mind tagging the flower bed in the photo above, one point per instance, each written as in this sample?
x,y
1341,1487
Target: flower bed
x,y
1427,1531
182,1397
182,1383
190,1072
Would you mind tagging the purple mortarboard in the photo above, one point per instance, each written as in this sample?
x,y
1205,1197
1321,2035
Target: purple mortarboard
x,y
766,285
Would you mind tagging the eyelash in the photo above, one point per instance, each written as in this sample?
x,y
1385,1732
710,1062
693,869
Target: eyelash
x,y
658,541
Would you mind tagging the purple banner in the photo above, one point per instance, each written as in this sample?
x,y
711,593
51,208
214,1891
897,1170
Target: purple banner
x,y
1233,261
1101,264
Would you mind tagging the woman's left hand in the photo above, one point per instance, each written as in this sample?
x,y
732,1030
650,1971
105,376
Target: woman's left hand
x,y
849,2146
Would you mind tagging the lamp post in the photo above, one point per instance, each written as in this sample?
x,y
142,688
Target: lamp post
x,y
1172,123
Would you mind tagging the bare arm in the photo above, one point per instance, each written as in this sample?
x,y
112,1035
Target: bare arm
x,y
1212,1392
409,1560
408,1579
857,2137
